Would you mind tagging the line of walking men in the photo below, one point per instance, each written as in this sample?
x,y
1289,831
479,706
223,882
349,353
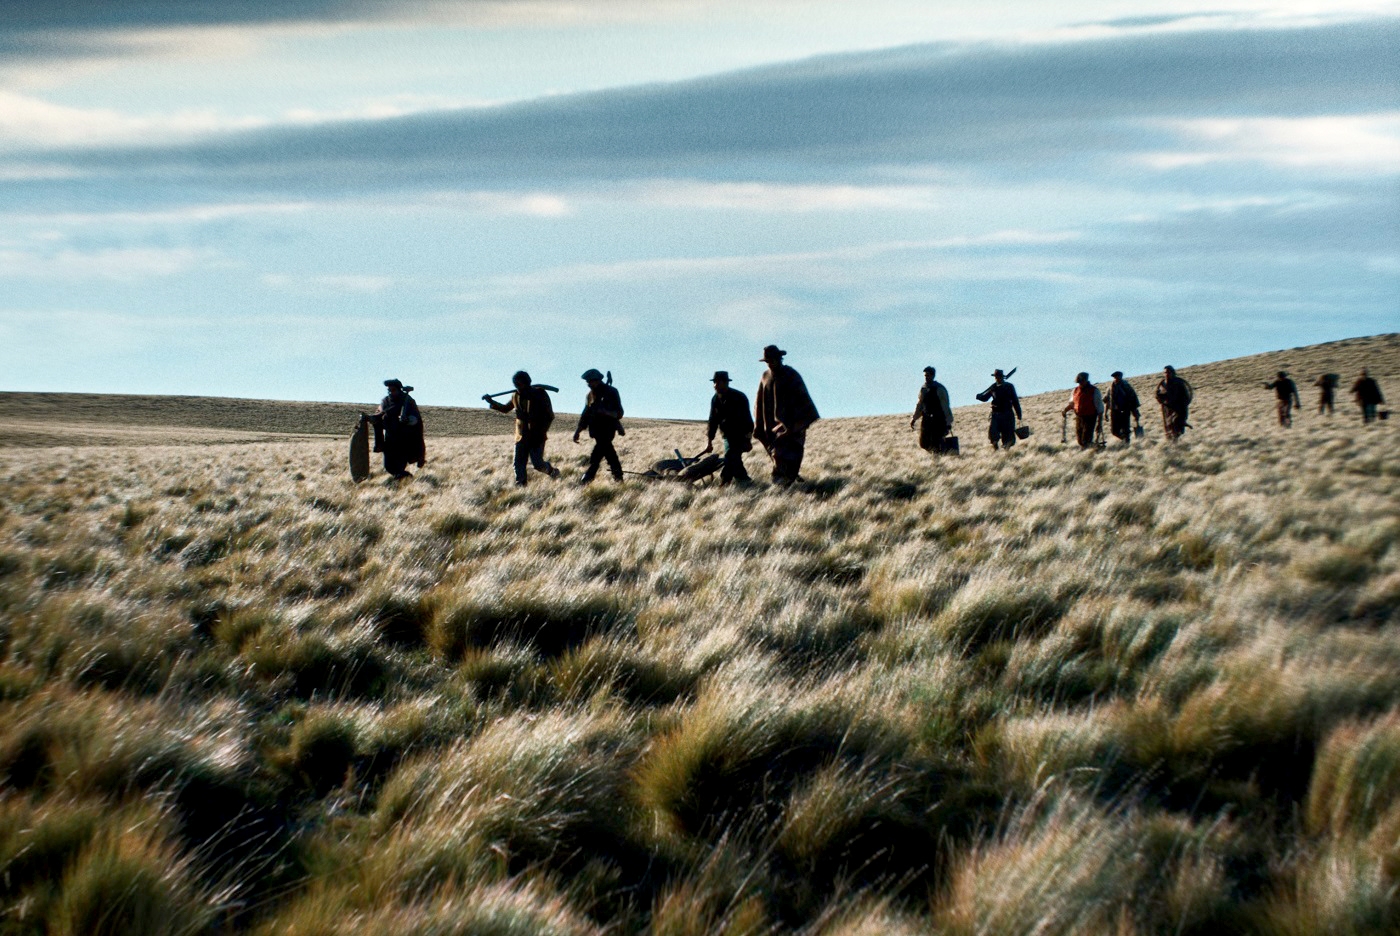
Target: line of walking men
x,y
1365,391
783,412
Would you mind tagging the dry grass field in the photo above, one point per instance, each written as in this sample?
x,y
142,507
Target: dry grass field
x,y
1146,690
45,420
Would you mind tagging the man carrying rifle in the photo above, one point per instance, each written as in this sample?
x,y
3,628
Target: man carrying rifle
x,y
1006,410
933,413
1122,403
534,413
602,417
782,413
729,416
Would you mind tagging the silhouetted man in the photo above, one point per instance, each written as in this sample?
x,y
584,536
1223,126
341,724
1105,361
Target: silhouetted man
x,y
602,417
933,413
1122,403
398,430
1006,410
783,411
1327,393
1368,396
1086,402
729,416
1174,395
534,414
1287,392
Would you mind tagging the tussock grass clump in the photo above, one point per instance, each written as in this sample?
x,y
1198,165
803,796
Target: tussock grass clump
x,y
1063,869
130,878
546,791
1356,779
548,624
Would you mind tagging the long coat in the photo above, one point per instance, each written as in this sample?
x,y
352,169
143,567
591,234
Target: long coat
x,y
783,408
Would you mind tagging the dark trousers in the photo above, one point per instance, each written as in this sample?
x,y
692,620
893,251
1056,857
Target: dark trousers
x,y
1120,424
1173,421
1002,428
1084,426
733,469
531,451
787,457
603,449
932,429
1368,412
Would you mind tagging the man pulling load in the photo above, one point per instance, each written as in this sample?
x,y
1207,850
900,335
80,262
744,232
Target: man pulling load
x,y
602,417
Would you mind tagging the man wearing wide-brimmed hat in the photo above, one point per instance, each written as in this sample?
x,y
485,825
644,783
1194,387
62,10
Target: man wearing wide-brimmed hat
x,y
398,430
783,410
1006,410
729,416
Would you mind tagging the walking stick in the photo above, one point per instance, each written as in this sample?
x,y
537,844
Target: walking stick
x,y
1064,428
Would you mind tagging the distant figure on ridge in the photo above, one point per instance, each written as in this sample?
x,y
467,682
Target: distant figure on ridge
x,y
1122,403
729,416
1368,396
398,430
1174,394
1287,392
783,410
534,414
933,413
1006,410
1327,393
602,417
1086,402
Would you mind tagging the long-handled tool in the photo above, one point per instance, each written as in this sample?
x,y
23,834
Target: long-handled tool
x,y
540,386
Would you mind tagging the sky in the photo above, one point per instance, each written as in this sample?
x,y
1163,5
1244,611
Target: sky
x,y
298,200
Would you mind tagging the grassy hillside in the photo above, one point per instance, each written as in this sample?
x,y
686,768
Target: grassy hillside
x,y
53,419
1150,690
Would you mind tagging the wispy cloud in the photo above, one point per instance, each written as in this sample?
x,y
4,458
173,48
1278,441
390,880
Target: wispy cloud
x,y
119,264
1366,142
998,108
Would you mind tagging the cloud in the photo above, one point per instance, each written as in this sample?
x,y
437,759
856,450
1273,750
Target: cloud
x,y
343,283
30,124
119,264
982,106
1369,142
778,198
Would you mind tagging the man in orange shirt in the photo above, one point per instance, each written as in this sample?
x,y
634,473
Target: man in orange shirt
x,y
1086,402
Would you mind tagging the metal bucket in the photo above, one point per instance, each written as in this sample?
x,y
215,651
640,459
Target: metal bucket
x,y
1023,432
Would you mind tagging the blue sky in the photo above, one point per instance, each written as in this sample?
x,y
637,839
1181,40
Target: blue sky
x,y
296,200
